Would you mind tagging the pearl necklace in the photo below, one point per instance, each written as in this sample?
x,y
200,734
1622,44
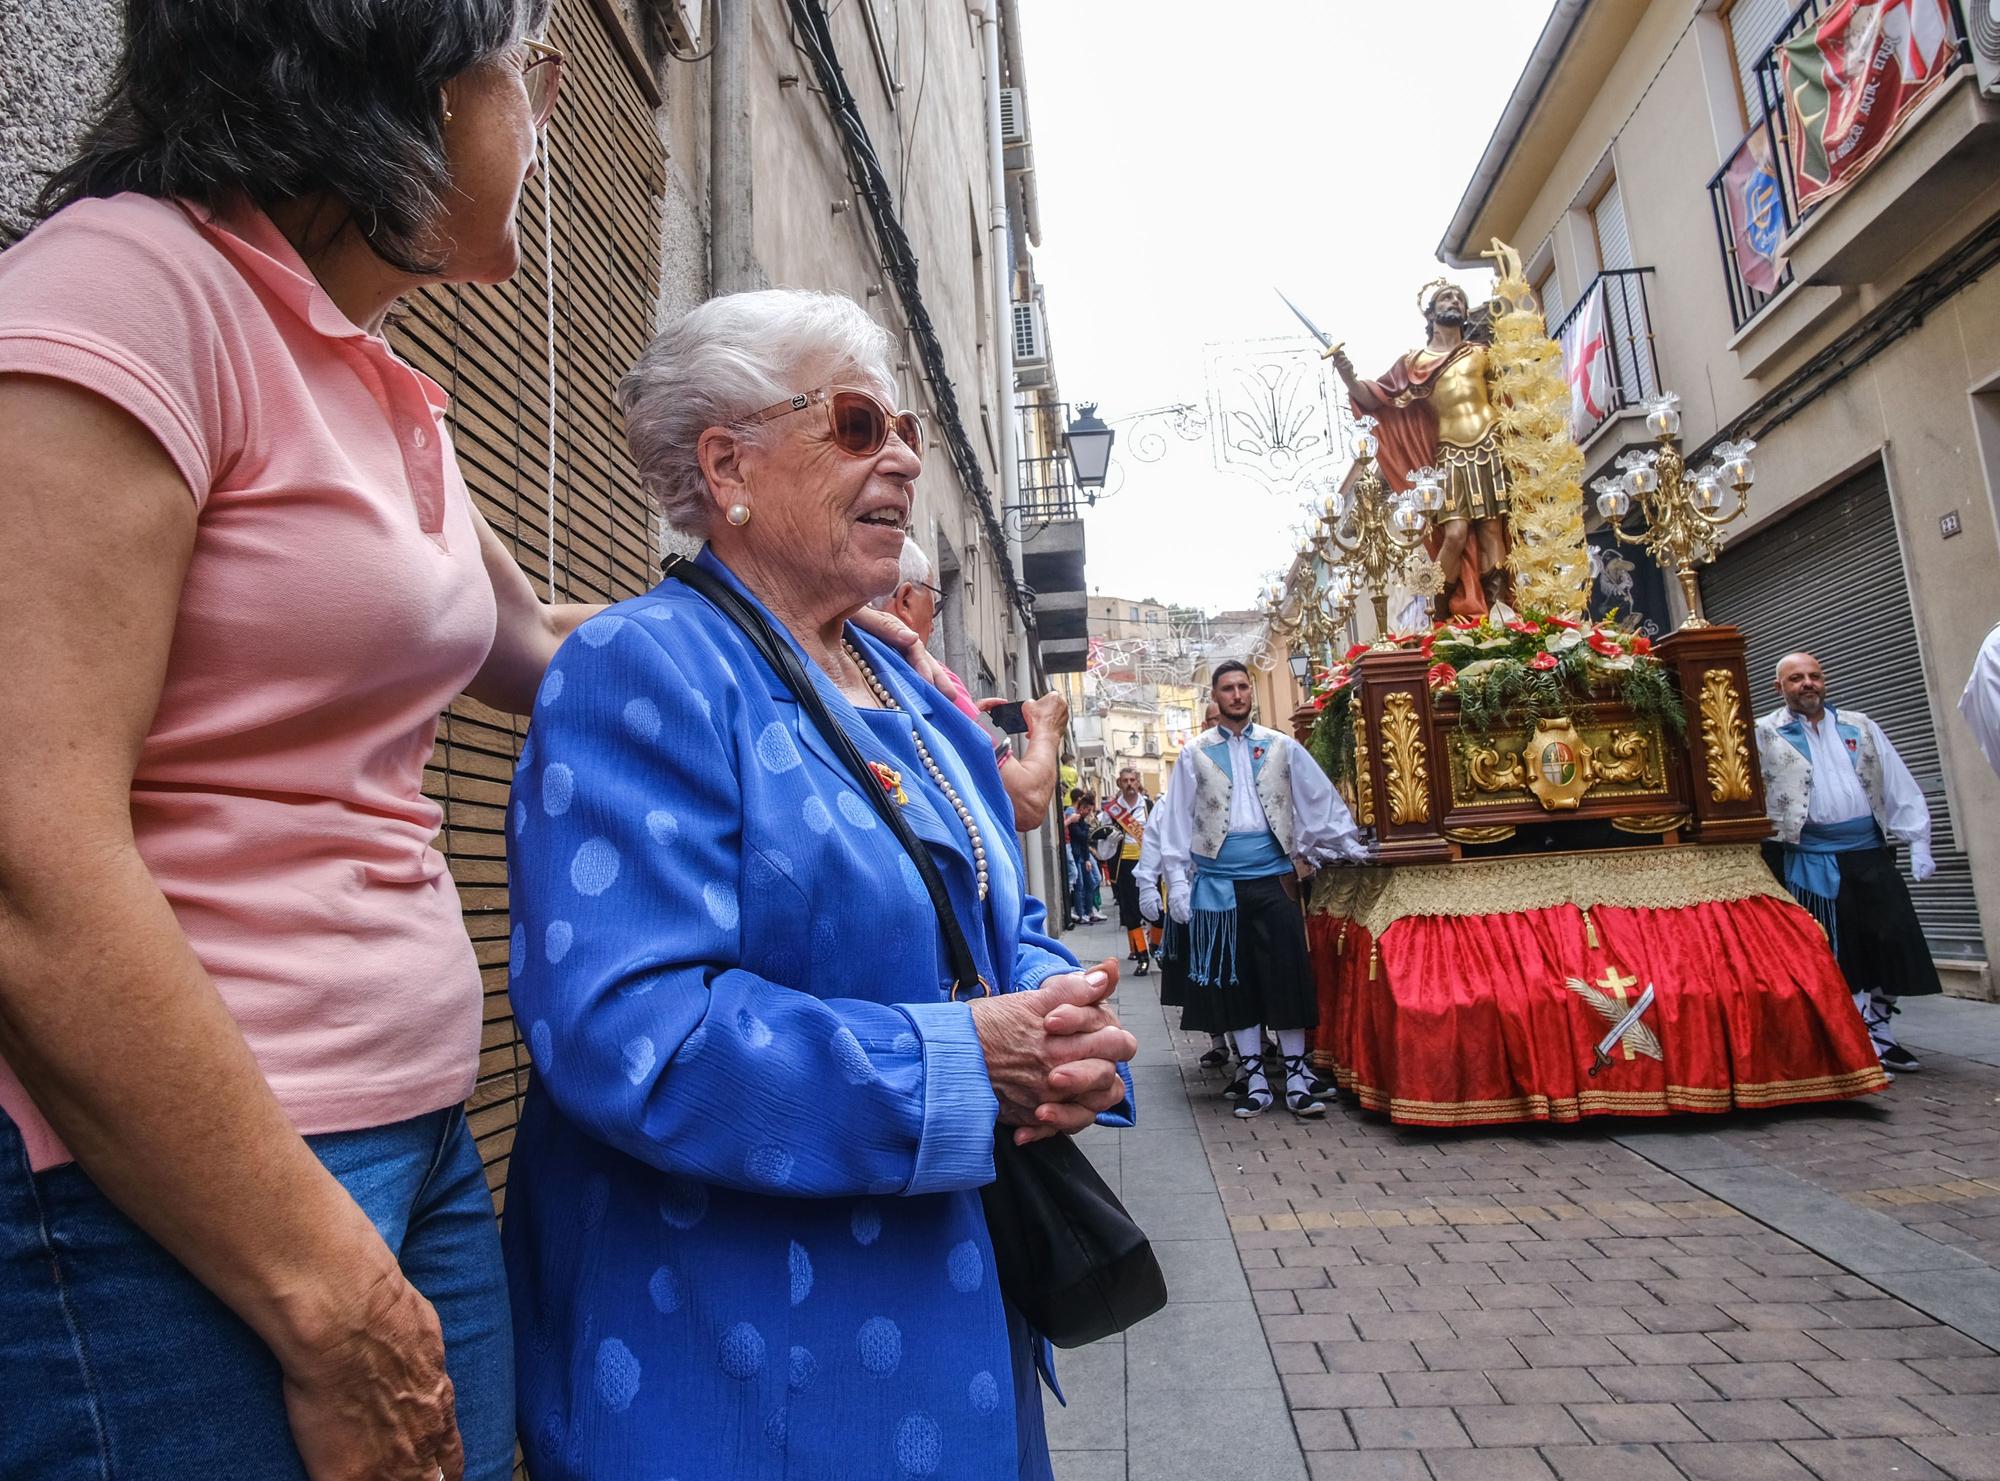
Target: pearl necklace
x,y
930,764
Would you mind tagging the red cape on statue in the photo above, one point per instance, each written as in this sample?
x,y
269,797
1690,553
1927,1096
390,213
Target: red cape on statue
x,y
1407,439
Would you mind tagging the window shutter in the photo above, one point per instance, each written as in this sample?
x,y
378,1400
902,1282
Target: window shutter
x,y
1753,26
1614,242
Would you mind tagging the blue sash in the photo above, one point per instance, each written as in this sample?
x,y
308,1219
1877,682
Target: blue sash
x,y
1212,958
1812,866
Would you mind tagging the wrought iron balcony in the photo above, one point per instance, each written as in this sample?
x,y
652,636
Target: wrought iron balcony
x,y
1616,371
1754,197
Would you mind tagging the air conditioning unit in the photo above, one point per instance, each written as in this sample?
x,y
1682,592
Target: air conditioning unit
x,y
1013,118
1031,345
1982,26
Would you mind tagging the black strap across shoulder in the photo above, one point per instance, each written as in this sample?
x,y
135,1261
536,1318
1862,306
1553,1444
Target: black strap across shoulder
x,y
1065,1251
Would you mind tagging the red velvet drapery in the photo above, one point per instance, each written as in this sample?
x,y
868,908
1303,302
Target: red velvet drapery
x,y
1459,1020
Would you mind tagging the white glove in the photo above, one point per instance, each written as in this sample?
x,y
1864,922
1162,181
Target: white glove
x,y
1922,865
1180,901
1149,900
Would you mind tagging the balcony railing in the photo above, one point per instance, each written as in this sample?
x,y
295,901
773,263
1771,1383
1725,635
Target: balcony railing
x,y
1754,197
1628,348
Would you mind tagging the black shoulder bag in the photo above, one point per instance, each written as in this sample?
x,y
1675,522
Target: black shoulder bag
x,y
1066,1252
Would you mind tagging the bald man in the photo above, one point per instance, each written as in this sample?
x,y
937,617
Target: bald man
x,y
1841,799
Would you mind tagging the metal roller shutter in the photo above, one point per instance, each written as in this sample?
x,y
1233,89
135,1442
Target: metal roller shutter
x,y
1853,614
489,348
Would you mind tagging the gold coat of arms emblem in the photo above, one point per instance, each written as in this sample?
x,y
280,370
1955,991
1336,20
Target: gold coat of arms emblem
x,y
1558,765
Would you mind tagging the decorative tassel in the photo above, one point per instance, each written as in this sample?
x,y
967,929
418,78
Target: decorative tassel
x,y
1374,960
1589,929
1340,941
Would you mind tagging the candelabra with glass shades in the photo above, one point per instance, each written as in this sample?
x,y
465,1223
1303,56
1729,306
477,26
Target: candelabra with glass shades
x,y
1684,510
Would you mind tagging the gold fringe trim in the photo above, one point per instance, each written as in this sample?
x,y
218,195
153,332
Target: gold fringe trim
x,y
1630,879
1535,1107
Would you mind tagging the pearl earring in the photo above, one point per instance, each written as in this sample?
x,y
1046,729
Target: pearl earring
x,y
738,515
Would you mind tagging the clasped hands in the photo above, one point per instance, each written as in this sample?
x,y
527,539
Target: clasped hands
x,y
1053,1052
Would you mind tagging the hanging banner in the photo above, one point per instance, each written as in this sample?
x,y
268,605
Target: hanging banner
x,y
1851,81
1588,365
1756,212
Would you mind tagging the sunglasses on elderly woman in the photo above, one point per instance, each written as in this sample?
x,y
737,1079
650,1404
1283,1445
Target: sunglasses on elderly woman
x,y
861,424
541,74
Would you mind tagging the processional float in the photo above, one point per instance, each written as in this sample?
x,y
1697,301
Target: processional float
x,y
1567,912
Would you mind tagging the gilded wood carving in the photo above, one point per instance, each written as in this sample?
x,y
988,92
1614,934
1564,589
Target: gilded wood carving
x,y
1404,756
1364,785
1722,737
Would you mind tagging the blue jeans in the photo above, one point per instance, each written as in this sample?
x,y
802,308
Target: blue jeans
x,y
117,1365
1079,884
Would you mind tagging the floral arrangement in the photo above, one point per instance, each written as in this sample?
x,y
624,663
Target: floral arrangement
x,y
1508,674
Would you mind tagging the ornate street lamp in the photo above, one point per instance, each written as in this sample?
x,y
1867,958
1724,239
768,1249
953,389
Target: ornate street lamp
x,y
1088,441
1377,537
1683,510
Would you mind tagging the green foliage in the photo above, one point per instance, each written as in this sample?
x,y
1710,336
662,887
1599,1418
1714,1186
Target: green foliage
x,y
1510,695
1331,740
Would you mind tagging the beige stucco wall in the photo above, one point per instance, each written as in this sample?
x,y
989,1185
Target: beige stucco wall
x,y
1665,118
934,150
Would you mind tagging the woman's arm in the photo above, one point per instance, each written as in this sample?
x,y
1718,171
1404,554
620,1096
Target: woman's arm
x,y
526,631
105,1014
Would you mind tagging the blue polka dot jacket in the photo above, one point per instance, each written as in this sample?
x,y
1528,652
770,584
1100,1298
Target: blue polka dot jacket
x,y
743,1230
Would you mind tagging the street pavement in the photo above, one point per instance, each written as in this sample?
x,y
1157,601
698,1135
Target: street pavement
x,y
1772,1297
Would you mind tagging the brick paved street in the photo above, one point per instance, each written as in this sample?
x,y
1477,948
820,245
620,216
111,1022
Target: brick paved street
x,y
1753,1298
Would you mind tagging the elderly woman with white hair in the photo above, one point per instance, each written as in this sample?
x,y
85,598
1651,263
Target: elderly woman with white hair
x,y
744,1233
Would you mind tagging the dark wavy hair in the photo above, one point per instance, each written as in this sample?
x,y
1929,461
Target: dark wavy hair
x,y
213,100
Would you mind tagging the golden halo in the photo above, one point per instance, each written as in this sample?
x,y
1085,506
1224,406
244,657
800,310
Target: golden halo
x,y
1429,291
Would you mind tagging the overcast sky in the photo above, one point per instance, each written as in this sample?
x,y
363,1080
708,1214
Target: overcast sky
x,y
1189,156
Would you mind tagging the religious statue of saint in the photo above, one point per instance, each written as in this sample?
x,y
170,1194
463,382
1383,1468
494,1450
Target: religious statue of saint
x,y
1435,408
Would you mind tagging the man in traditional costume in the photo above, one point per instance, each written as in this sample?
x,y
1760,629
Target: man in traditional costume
x,y
1840,799
1197,1004
1247,811
1434,407
1980,703
1127,810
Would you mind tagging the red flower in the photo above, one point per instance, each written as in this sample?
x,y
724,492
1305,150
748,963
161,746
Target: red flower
x,y
1641,643
1563,622
1542,662
1429,640
1440,675
1355,652
1529,628
1465,624
1608,646
1320,703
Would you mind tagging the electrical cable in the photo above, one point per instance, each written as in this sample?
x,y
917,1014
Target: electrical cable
x,y
899,262
1902,313
549,304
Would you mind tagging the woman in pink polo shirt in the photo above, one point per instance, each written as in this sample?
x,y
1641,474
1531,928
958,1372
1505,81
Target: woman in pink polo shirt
x,y
244,1232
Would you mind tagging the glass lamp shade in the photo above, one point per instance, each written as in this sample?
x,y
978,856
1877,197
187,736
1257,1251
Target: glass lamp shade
x,y
1641,480
1407,518
1707,492
1301,667
1364,444
1740,473
1612,500
1663,421
1089,441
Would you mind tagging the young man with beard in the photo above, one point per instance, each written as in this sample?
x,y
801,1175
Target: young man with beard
x,y
1247,810
1841,799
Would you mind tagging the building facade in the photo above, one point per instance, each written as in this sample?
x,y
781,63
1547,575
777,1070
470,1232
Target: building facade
x,y
798,144
1651,173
